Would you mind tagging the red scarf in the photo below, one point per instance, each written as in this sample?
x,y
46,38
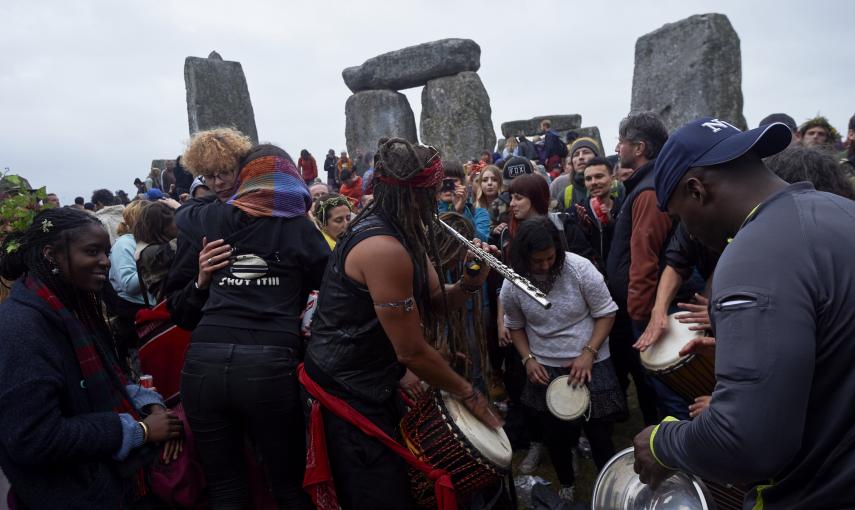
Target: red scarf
x,y
318,480
429,177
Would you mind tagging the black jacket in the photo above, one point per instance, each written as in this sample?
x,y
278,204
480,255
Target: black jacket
x,y
55,449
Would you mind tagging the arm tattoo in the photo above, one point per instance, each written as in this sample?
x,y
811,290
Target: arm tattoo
x,y
407,305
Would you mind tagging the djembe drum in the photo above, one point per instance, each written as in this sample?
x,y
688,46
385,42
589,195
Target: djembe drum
x,y
567,402
440,431
692,375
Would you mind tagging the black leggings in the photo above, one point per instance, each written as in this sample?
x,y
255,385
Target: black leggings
x,y
562,436
233,391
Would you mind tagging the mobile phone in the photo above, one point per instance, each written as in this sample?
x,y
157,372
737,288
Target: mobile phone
x,y
447,185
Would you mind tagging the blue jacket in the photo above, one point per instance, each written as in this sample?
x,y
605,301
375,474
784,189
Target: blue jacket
x,y
123,270
55,449
479,217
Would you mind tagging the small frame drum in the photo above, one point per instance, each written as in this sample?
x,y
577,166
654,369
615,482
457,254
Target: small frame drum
x,y
567,402
691,376
442,432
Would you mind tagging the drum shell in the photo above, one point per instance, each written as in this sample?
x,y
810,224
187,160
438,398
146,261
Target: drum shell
x,y
692,377
430,433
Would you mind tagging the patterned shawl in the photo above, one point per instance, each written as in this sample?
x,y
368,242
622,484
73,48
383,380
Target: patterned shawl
x,y
271,186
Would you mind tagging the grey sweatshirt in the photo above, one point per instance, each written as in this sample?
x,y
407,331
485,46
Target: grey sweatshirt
x,y
782,417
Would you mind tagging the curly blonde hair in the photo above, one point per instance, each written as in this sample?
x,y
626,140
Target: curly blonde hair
x,y
214,151
130,216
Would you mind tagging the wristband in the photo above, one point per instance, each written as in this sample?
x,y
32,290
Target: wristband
x,y
525,360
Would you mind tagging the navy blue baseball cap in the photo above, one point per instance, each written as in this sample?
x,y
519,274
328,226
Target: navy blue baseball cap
x,y
708,141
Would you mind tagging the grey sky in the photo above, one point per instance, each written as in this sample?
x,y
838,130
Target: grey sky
x,y
92,91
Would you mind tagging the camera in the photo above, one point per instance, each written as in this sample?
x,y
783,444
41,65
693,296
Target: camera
x,y
448,185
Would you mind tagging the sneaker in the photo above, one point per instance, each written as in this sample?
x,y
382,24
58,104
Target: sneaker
x,y
566,493
532,458
584,447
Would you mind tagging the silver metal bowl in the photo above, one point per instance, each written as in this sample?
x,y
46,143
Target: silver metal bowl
x,y
618,488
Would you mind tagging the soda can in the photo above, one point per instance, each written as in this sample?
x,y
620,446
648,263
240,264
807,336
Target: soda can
x,y
147,381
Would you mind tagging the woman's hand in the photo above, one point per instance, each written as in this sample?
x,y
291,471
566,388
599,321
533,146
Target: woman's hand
x,y
458,200
536,373
213,257
504,334
171,449
699,405
163,426
580,369
498,229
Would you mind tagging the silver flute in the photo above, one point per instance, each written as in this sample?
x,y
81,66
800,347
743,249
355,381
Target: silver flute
x,y
509,274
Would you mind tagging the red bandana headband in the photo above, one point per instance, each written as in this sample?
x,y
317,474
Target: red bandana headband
x,y
429,177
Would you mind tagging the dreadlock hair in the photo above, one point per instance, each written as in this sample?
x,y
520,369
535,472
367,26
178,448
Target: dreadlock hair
x,y
818,166
22,253
536,234
453,336
409,210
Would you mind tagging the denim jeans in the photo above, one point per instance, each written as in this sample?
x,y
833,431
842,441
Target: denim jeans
x,y
234,391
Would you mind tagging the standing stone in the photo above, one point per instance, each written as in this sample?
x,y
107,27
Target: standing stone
x,y
375,114
531,126
456,116
217,95
690,69
415,65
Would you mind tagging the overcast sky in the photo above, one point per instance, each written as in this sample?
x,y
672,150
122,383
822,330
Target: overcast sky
x,y
92,91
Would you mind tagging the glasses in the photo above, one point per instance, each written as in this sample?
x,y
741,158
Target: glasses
x,y
226,175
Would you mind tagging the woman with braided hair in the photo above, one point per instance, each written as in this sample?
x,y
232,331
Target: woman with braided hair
x,y
378,313
75,433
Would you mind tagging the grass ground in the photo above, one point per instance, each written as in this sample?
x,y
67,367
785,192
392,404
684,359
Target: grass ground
x,y
586,474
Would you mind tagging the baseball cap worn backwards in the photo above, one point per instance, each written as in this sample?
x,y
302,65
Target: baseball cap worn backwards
x,y
708,141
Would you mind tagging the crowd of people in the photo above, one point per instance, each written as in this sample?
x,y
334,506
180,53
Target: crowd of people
x,y
319,311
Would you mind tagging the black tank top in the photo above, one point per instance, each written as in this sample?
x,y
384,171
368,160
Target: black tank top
x,y
349,353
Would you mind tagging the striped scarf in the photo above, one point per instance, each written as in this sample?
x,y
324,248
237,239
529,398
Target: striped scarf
x,y
271,186
105,392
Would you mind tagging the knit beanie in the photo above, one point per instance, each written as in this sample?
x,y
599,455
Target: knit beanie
x,y
588,142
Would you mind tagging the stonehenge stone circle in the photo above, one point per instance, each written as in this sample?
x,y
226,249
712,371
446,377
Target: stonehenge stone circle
x,y
689,69
414,66
217,95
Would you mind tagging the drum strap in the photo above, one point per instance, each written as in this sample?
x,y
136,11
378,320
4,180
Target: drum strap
x,y
318,478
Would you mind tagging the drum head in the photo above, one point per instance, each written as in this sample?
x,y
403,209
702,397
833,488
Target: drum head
x,y
665,353
618,488
491,443
566,402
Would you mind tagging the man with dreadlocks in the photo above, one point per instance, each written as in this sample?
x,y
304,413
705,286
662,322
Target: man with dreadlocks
x,y
74,434
377,316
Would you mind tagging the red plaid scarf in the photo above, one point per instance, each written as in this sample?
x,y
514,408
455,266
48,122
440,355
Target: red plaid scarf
x,y
105,393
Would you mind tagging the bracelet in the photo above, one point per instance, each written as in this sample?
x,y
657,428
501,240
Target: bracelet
x,y
144,431
525,360
466,288
591,350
